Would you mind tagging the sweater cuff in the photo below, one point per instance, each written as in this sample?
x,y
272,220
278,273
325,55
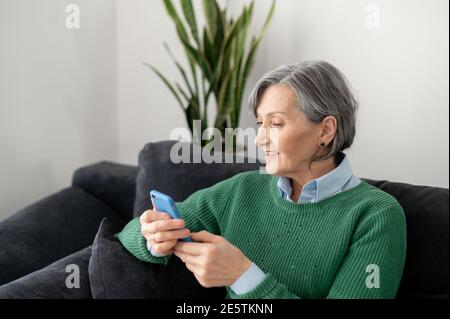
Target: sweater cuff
x,y
132,239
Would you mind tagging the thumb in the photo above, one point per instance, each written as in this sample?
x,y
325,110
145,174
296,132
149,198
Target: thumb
x,y
204,237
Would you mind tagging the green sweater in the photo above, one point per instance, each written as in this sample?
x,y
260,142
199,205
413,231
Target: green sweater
x,y
350,245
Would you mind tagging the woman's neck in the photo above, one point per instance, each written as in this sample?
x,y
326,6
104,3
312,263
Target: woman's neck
x,y
316,170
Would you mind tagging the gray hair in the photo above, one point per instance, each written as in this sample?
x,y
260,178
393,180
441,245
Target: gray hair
x,y
322,90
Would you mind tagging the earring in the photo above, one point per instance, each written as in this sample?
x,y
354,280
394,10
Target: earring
x,y
322,144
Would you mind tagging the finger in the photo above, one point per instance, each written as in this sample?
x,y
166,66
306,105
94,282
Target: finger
x,y
155,227
196,249
164,225
145,216
171,235
152,215
204,237
193,268
187,259
153,203
150,239
164,247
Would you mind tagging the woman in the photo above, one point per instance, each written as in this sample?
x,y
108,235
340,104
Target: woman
x,y
307,229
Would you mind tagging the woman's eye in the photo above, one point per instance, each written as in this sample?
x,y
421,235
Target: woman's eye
x,y
259,123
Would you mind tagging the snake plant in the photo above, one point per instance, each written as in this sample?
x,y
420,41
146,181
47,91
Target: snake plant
x,y
219,59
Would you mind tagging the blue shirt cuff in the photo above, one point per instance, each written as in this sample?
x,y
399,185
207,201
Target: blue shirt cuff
x,y
249,280
152,251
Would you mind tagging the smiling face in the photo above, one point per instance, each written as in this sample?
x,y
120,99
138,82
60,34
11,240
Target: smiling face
x,y
289,139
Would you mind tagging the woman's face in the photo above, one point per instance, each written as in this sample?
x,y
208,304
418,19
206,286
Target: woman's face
x,y
288,138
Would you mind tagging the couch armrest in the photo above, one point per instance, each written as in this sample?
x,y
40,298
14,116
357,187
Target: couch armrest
x,y
50,282
112,183
49,230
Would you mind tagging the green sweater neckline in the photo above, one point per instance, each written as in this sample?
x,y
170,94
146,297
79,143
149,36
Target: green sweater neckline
x,y
308,207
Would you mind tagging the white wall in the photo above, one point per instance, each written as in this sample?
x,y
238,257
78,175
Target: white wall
x,y
147,111
69,98
400,72
58,105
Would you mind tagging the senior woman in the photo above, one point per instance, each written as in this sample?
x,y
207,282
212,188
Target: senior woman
x,y
307,229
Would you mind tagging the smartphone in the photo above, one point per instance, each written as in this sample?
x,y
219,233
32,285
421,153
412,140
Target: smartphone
x,y
164,203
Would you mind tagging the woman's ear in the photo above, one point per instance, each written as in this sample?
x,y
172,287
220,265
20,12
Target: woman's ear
x,y
329,127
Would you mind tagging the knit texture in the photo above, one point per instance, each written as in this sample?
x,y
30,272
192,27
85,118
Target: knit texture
x,y
350,245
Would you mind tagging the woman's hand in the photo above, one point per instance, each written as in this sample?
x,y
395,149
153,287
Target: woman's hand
x,y
213,260
161,231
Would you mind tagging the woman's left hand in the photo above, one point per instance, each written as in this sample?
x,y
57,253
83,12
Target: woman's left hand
x,y
213,260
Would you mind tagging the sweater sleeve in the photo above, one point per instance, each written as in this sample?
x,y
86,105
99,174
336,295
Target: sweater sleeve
x,y
372,268
203,210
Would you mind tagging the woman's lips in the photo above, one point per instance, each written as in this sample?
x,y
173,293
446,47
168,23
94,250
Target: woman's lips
x,y
271,155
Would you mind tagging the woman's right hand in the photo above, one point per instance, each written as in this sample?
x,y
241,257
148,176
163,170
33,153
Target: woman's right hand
x,y
161,231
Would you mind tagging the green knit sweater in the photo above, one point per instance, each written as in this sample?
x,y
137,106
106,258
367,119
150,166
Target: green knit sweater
x,y
350,245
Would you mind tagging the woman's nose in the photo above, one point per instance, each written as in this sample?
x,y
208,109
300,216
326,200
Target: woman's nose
x,y
262,137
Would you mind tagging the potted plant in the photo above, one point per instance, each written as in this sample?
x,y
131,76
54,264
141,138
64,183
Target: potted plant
x,y
220,58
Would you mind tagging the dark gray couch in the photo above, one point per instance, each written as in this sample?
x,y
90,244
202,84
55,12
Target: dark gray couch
x,y
62,227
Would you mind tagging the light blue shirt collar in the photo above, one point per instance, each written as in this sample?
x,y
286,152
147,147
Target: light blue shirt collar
x,y
339,179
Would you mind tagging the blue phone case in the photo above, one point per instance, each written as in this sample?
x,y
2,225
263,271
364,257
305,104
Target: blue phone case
x,y
165,203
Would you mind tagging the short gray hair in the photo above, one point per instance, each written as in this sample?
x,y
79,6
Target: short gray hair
x,y
322,90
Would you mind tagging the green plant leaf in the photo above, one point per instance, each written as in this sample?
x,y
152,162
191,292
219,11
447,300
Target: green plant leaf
x,y
199,58
193,99
192,102
226,100
256,41
225,58
207,48
167,83
189,118
241,42
220,33
211,12
182,34
180,69
183,92
189,15
215,25
170,8
239,56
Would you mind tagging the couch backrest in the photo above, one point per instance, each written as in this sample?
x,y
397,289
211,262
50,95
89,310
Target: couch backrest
x,y
158,171
426,273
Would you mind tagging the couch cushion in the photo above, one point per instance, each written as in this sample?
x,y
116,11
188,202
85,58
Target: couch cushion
x,y
426,273
49,230
115,273
112,183
179,180
50,282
